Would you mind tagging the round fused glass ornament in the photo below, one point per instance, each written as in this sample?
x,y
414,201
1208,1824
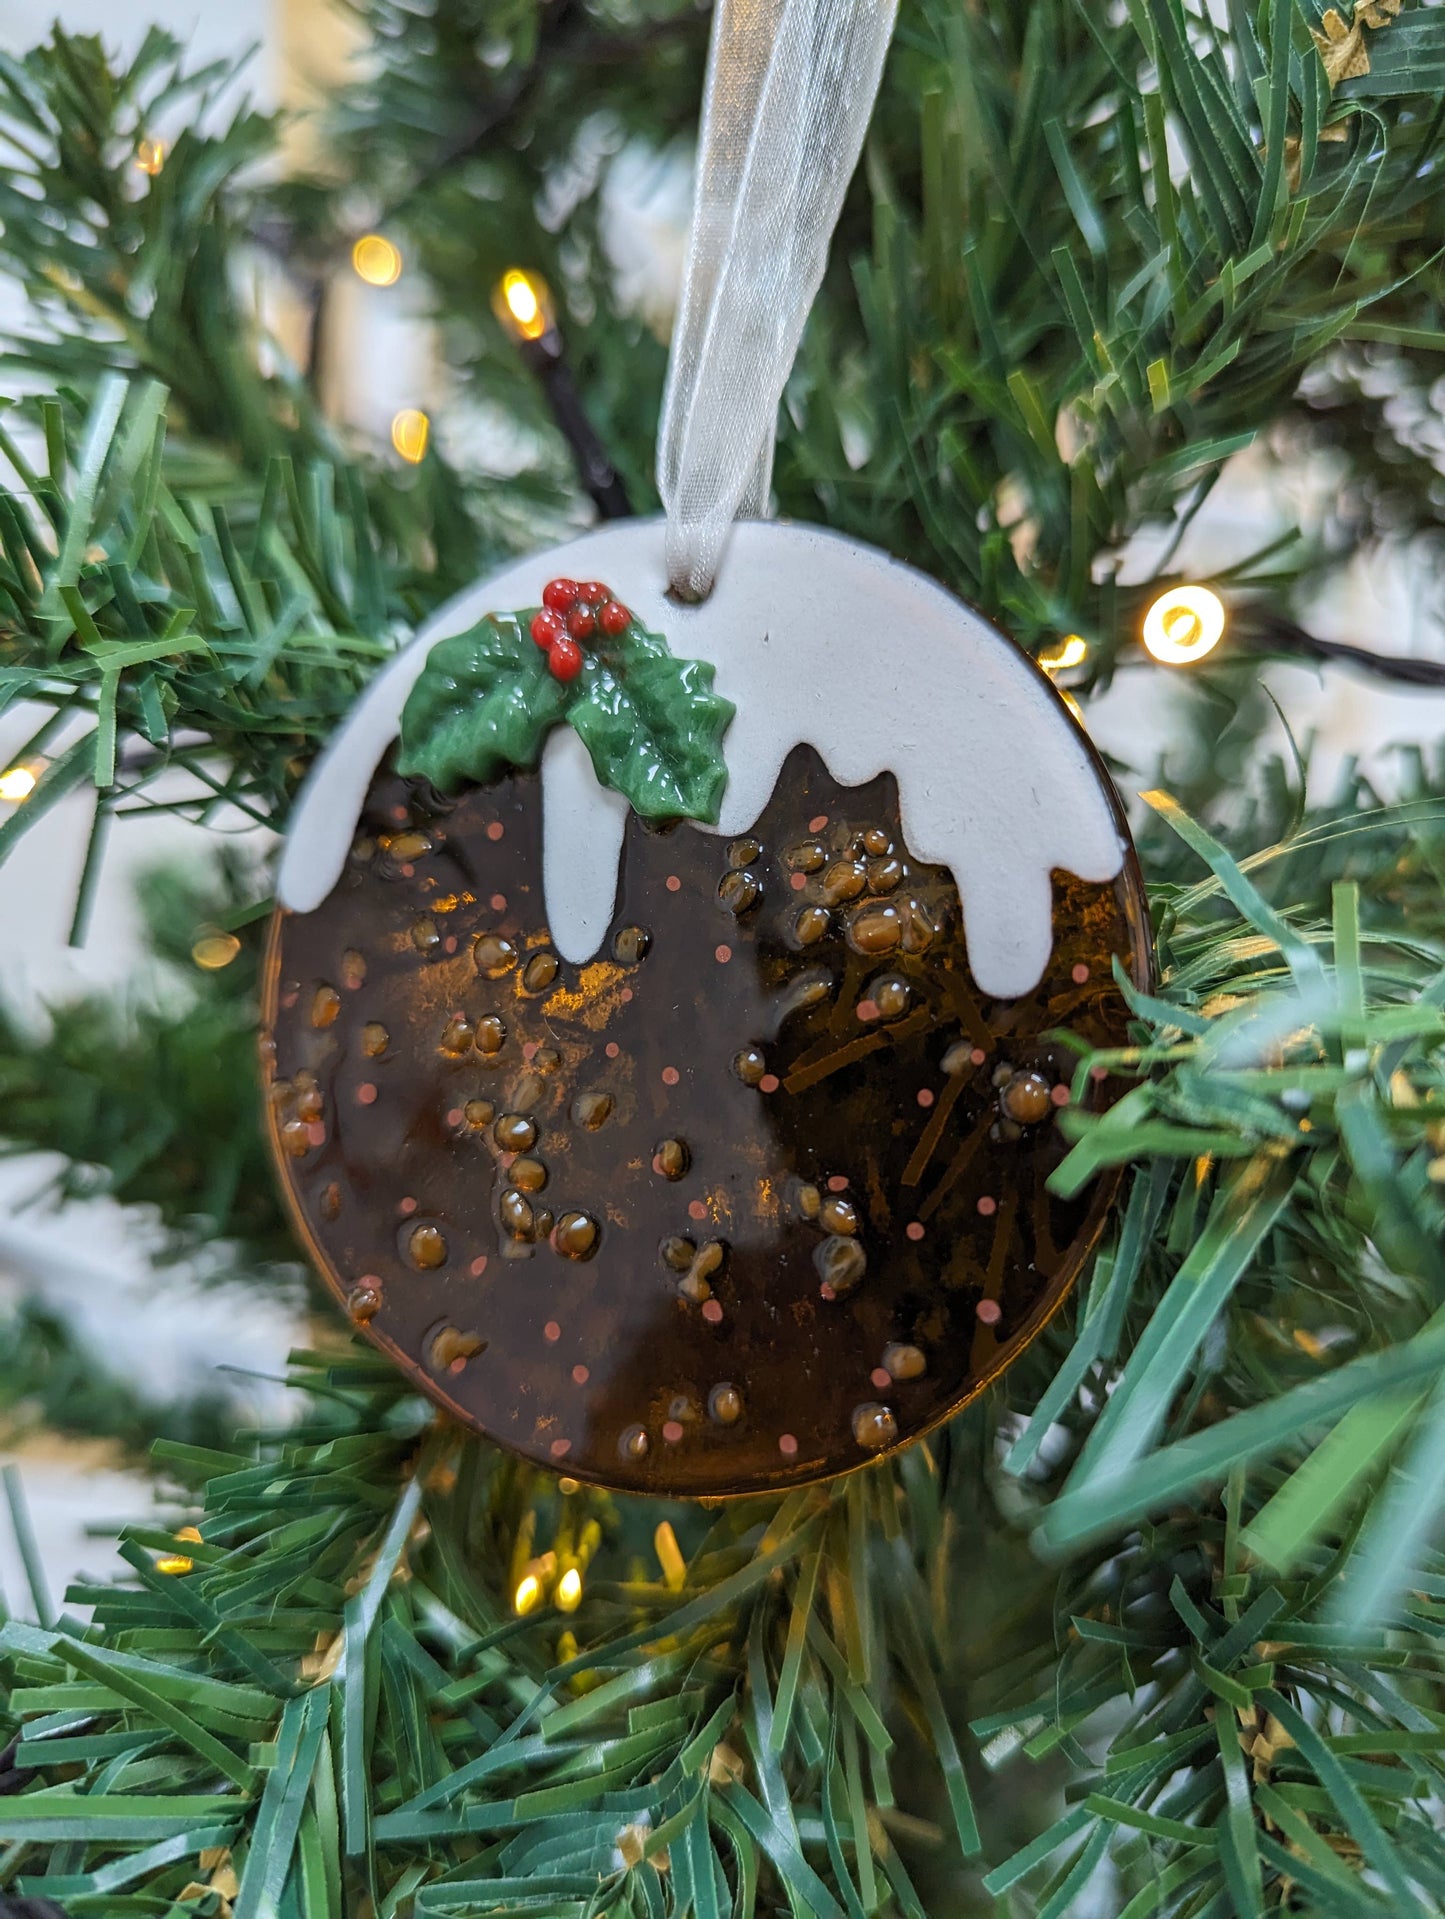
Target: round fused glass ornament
x,y
698,1155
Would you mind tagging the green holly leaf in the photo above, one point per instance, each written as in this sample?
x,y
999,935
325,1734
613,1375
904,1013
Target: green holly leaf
x,y
653,726
485,701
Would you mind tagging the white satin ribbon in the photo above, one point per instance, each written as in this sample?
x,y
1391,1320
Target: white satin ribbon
x,y
790,90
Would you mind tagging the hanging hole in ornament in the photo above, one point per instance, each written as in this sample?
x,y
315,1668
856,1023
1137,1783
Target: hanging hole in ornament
x,y
683,593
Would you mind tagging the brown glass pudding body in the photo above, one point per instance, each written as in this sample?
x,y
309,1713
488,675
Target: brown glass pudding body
x,y
754,1195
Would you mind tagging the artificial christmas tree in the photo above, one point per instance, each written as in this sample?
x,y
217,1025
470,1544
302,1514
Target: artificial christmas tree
x,y
1154,1622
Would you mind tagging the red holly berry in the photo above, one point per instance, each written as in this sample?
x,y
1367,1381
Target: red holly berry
x,y
613,618
565,659
559,594
594,592
547,628
581,622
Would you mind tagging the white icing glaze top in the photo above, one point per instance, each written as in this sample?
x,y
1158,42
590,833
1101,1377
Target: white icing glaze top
x,y
815,639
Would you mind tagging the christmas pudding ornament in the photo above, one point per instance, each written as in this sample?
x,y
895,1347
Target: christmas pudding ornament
x,y
690,1132
663,1004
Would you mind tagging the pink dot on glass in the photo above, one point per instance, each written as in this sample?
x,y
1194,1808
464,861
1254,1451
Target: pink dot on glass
x,y
990,1312
722,954
696,1209
987,1206
398,813
495,830
561,1448
1096,1073
457,1366
626,995
288,1000
867,1009
581,1375
787,1445
672,1431
530,1048
914,1229
977,1056
612,1049
551,1332
673,883
798,882
479,1266
449,944
316,1133
499,902
925,1096
455,1116
712,1312
366,1093
825,1291
408,871
1080,974
769,1083
817,824
838,1183
406,1205
881,1378
1060,1096
670,1076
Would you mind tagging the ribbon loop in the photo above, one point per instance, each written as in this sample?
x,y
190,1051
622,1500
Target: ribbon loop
x,y
790,90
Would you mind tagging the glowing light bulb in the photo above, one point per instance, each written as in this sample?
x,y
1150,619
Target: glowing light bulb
x,y
1183,625
527,1595
150,156
175,1564
669,1556
17,783
524,303
376,260
410,431
569,1590
212,951
1072,650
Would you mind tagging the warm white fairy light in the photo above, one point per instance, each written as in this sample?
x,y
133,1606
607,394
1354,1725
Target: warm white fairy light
x,y
178,1564
1071,651
17,783
669,1556
212,951
150,156
376,260
1183,625
523,303
569,1590
410,431
527,1595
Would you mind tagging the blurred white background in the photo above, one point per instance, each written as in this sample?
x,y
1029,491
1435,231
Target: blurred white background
x,y
82,1260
